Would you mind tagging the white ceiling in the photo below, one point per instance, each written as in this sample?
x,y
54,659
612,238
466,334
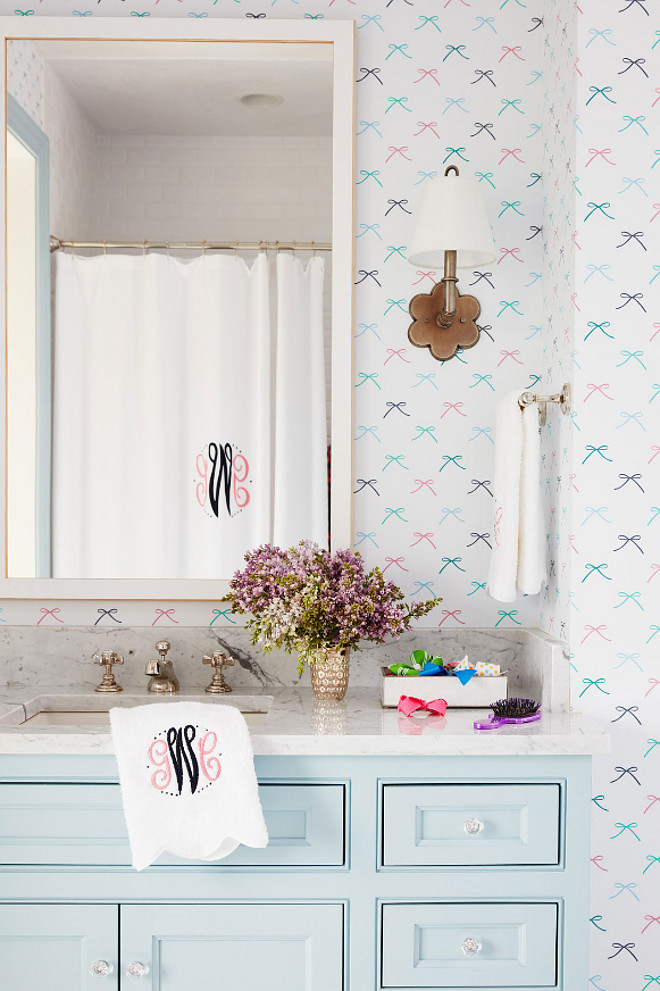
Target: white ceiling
x,y
188,88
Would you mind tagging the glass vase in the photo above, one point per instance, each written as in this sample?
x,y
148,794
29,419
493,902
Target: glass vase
x,y
330,674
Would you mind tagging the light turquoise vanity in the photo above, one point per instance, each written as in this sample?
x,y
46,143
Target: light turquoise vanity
x,y
432,859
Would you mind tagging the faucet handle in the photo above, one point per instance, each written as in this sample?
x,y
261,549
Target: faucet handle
x,y
162,646
108,658
218,659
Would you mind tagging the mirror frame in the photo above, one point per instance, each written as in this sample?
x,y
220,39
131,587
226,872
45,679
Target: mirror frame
x,y
341,35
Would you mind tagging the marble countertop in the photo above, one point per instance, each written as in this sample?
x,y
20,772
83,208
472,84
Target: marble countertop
x,y
294,723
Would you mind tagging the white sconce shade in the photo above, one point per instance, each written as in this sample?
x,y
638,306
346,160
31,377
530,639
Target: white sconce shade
x,y
451,217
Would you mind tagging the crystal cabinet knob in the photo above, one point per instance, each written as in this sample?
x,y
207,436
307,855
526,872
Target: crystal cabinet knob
x,y
100,968
470,946
136,969
473,826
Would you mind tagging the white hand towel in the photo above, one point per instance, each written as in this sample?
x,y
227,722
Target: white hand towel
x,y
531,523
517,560
187,780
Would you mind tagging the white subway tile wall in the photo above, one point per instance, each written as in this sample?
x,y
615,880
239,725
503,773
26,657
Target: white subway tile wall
x,y
72,142
214,188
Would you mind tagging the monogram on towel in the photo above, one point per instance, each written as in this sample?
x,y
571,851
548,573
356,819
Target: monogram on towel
x,y
175,752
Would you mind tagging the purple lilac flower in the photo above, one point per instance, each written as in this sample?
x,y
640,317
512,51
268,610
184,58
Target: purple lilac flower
x,y
306,599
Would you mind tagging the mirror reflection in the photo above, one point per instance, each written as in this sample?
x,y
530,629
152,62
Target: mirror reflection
x,y
169,405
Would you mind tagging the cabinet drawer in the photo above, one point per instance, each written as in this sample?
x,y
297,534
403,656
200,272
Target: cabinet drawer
x,y
430,825
513,945
84,824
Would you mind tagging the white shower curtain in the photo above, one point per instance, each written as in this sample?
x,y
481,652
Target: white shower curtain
x,y
162,415
300,507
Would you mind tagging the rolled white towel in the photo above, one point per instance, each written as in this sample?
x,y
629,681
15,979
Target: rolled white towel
x,y
517,560
531,532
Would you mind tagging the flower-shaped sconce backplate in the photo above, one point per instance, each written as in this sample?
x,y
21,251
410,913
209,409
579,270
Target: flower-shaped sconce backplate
x,y
425,330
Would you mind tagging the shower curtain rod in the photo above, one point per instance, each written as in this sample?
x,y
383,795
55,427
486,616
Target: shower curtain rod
x,y
56,244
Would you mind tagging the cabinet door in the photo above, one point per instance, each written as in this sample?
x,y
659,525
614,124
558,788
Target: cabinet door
x,y
247,946
56,946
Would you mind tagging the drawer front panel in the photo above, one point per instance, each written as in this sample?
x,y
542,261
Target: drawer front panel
x,y
84,824
513,945
470,825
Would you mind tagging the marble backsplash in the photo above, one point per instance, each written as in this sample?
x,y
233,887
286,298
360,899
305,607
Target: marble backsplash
x,y
36,656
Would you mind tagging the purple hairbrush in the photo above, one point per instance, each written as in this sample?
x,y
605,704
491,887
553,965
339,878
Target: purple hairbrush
x,y
510,711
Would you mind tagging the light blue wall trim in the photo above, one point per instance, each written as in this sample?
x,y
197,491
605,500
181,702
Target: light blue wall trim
x,y
24,129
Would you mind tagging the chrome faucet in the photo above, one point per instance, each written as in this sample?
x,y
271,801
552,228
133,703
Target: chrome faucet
x,y
161,672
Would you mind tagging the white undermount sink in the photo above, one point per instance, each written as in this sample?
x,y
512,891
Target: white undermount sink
x,y
67,719
93,711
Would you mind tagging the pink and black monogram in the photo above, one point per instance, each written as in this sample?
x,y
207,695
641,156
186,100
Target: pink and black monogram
x,y
184,757
223,477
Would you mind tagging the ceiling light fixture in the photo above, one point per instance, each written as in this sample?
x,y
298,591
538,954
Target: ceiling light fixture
x,y
260,100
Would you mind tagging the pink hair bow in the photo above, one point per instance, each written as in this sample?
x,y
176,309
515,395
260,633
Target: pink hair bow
x,y
407,705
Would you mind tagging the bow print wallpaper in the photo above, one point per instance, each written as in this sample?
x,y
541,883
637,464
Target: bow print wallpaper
x,y
615,528
552,106
25,79
558,169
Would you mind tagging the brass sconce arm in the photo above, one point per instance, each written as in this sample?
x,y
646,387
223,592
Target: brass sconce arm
x,y
449,280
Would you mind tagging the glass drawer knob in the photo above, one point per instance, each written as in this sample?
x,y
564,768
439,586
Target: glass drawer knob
x,y
473,826
136,969
470,946
100,968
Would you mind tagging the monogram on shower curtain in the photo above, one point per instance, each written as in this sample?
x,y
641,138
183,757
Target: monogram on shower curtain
x,y
170,385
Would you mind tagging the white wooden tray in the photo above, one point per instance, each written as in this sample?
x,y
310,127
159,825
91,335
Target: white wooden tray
x,y
478,693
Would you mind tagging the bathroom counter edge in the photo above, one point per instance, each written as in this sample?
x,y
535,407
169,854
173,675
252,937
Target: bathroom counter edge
x,y
297,725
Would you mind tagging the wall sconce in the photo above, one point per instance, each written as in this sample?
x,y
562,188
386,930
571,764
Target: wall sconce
x,y
451,230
